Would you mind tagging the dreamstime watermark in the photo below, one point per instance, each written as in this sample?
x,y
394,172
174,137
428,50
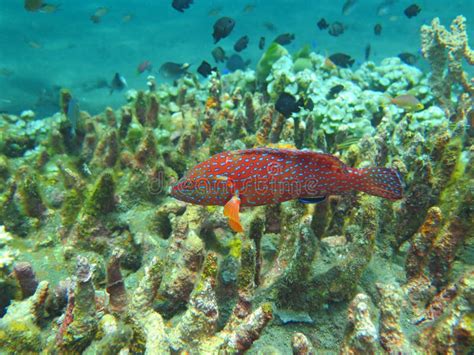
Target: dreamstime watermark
x,y
255,186
275,181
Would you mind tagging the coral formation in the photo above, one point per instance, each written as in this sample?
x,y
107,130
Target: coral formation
x,y
96,257
26,278
445,51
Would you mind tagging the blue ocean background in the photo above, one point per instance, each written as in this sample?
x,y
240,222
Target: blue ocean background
x,y
44,52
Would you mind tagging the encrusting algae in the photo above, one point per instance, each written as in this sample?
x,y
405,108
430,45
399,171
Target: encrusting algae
x,y
96,256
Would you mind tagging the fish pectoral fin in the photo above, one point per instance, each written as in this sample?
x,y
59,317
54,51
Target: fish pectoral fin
x,y
232,207
312,199
231,211
236,226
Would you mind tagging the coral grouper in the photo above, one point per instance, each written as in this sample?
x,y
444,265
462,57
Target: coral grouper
x,y
262,176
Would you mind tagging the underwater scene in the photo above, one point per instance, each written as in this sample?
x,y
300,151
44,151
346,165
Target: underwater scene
x,y
229,177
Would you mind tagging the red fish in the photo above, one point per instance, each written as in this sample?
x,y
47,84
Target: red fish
x,y
145,65
261,176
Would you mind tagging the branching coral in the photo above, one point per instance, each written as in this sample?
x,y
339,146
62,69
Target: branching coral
x,y
445,51
362,336
20,328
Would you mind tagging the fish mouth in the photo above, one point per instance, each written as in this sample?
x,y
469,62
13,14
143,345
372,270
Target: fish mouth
x,y
173,190
181,190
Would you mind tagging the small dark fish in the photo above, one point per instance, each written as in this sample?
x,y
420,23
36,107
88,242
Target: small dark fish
x,y
127,18
33,5
6,72
412,11
235,62
99,13
222,28
322,24
336,29
118,83
215,11
347,7
408,58
334,91
286,104
342,60
261,43
218,54
205,69
367,52
378,29
172,70
35,44
181,5
248,8
284,38
49,8
269,26
241,43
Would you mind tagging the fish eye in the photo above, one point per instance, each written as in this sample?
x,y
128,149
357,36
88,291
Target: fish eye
x,y
185,186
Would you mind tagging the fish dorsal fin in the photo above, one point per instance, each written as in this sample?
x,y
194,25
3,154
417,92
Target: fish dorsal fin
x,y
320,159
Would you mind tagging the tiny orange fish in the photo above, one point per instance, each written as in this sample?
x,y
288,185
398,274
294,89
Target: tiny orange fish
x,y
144,66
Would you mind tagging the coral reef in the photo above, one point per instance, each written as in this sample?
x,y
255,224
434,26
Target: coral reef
x,y
26,278
96,257
445,52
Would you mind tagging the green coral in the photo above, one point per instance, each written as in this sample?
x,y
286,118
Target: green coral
x,y
271,55
80,332
29,194
102,197
301,64
303,53
71,206
65,96
208,272
11,216
112,343
4,170
235,247
21,328
217,139
246,276
134,137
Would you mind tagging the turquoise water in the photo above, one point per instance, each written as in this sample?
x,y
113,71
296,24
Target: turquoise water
x,y
43,52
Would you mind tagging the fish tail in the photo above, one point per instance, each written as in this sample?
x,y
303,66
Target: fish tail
x,y
388,100
382,182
